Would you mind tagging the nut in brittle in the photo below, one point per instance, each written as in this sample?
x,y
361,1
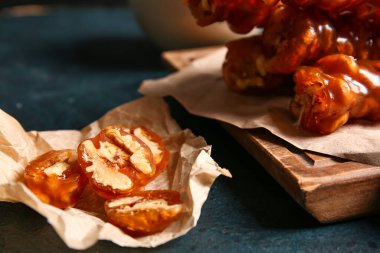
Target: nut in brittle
x,y
153,141
146,212
116,162
56,178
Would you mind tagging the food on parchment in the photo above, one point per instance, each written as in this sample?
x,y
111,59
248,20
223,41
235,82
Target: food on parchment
x,y
145,212
297,34
56,178
335,89
117,161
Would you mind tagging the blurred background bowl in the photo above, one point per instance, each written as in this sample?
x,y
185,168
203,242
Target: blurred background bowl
x,y
170,25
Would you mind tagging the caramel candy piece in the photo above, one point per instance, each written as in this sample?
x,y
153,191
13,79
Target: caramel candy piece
x,y
56,178
146,212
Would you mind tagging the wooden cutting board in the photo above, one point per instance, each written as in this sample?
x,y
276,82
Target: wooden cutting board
x,y
329,188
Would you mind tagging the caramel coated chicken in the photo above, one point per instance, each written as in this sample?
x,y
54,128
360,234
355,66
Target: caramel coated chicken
x,y
368,10
244,67
327,5
241,15
358,38
336,89
293,37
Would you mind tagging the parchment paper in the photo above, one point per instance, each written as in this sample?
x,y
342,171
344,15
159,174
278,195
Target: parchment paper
x,y
191,171
201,90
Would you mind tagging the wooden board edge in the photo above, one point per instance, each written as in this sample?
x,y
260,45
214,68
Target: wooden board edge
x,y
355,197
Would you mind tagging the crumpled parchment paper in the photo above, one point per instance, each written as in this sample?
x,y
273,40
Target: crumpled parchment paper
x,y
191,171
201,90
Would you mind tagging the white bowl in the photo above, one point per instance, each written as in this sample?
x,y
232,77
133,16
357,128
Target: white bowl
x,y
170,25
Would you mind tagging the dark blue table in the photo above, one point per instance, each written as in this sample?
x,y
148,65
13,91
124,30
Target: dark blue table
x,y
64,69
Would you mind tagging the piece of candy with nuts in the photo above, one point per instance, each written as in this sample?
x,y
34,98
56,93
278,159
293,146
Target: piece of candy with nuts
x,y
117,161
156,145
56,178
146,212
153,141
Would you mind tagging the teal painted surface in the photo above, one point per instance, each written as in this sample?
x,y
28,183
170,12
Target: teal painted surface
x,y
67,68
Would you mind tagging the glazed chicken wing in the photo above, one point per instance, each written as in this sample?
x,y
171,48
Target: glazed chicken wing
x,y
337,88
369,10
327,5
358,38
241,15
293,37
244,70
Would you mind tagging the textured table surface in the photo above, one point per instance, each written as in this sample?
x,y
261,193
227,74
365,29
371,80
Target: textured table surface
x,y
67,67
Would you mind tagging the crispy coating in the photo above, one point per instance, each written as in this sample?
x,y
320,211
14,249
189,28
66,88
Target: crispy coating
x,y
336,89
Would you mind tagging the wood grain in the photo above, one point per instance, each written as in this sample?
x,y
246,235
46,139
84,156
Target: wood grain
x,y
331,189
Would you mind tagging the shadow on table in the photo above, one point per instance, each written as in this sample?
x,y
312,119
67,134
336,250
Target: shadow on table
x,y
261,197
